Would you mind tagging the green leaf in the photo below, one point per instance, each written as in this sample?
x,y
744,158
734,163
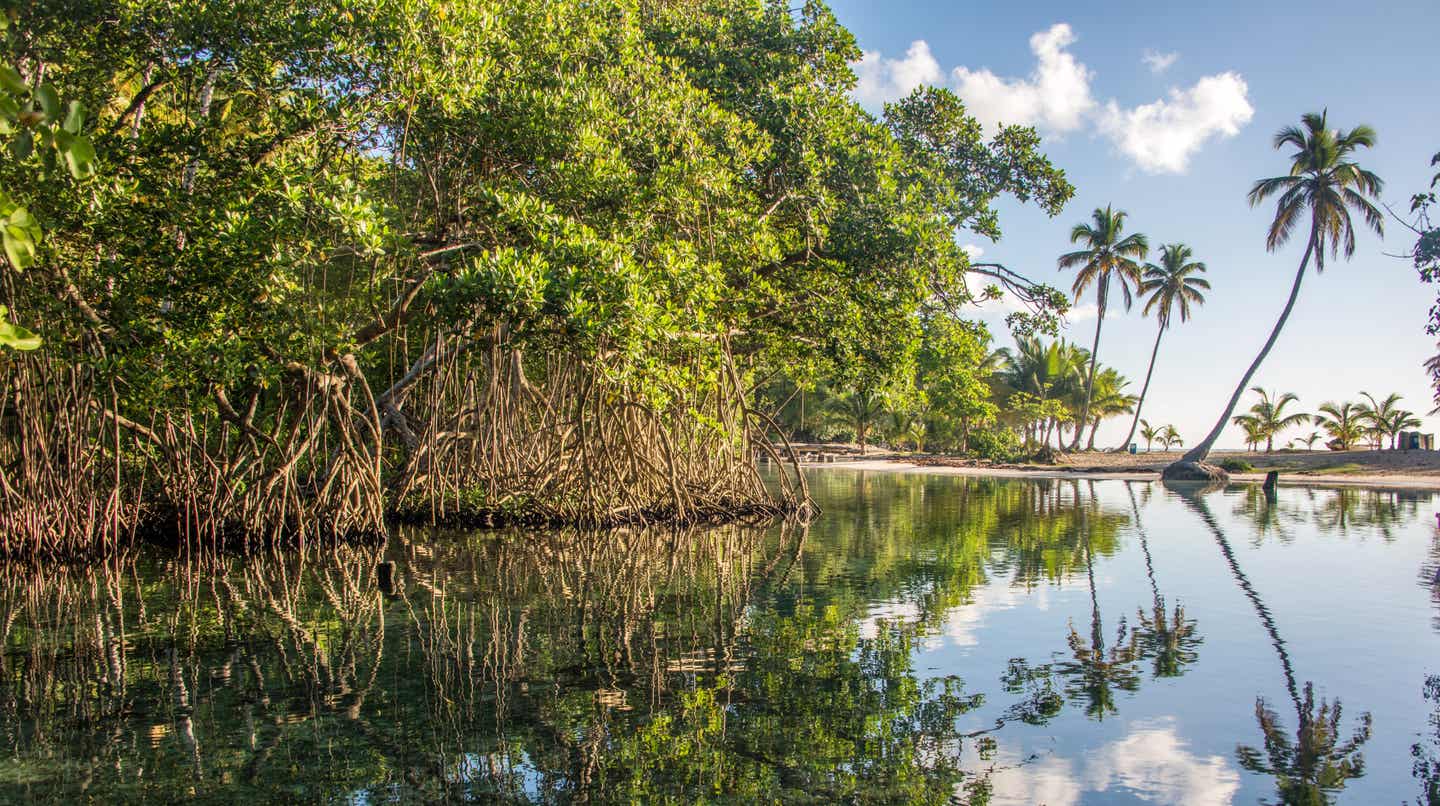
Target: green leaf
x,y
9,108
80,158
11,82
49,101
19,246
22,146
14,336
75,117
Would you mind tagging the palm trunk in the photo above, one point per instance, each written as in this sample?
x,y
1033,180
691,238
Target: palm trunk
x,y
1140,404
1202,448
1094,426
1094,352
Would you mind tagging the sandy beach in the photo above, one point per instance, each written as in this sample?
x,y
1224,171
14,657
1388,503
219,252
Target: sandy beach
x,y
1362,468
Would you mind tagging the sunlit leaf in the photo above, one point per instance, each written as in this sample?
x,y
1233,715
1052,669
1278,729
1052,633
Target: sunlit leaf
x,y
14,336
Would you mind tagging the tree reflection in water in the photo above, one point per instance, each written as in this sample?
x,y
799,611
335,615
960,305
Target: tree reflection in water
x,y
1166,637
743,664
1426,752
1317,763
562,668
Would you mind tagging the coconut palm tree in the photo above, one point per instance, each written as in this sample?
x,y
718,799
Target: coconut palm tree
x,y
1170,437
1254,431
1046,371
1386,418
858,411
1344,422
1172,285
1106,256
1310,440
1323,186
1269,418
1110,400
1149,433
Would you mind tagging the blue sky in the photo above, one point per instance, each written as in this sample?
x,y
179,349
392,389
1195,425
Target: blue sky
x,y
1167,111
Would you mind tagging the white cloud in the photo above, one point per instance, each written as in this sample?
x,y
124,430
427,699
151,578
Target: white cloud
x,y
1161,137
882,79
1154,763
1008,303
1055,96
1151,763
973,251
1158,62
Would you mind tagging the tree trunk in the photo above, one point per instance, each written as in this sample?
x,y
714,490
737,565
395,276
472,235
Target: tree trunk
x,y
1270,444
1094,353
1094,426
1202,448
1135,421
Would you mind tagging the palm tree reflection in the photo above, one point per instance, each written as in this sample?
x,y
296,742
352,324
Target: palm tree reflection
x,y
1163,635
1096,671
1318,762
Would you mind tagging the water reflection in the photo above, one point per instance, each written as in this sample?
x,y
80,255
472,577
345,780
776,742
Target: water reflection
x,y
929,639
1318,763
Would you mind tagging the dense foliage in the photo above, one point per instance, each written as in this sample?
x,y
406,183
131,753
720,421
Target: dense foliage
x,y
522,258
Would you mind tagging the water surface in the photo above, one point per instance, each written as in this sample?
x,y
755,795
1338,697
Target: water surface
x,y
929,638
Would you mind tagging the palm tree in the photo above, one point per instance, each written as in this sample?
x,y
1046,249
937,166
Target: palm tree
x,y
1149,433
1169,436
1269,418
1386,418
1106,256
1254,430
1042,370
1325,185
1344,422
1171,285
859,411
1310,440
1110,400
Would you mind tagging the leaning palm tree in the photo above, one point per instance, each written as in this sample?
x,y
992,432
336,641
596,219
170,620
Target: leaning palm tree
x,y
1269,417
1344,422
1324,184
1171,285
1107,256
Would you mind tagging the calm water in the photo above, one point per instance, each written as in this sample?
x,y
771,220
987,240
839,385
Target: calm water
x,y
928,638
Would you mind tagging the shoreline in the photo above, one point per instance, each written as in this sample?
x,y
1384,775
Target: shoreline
x,y
1389,481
